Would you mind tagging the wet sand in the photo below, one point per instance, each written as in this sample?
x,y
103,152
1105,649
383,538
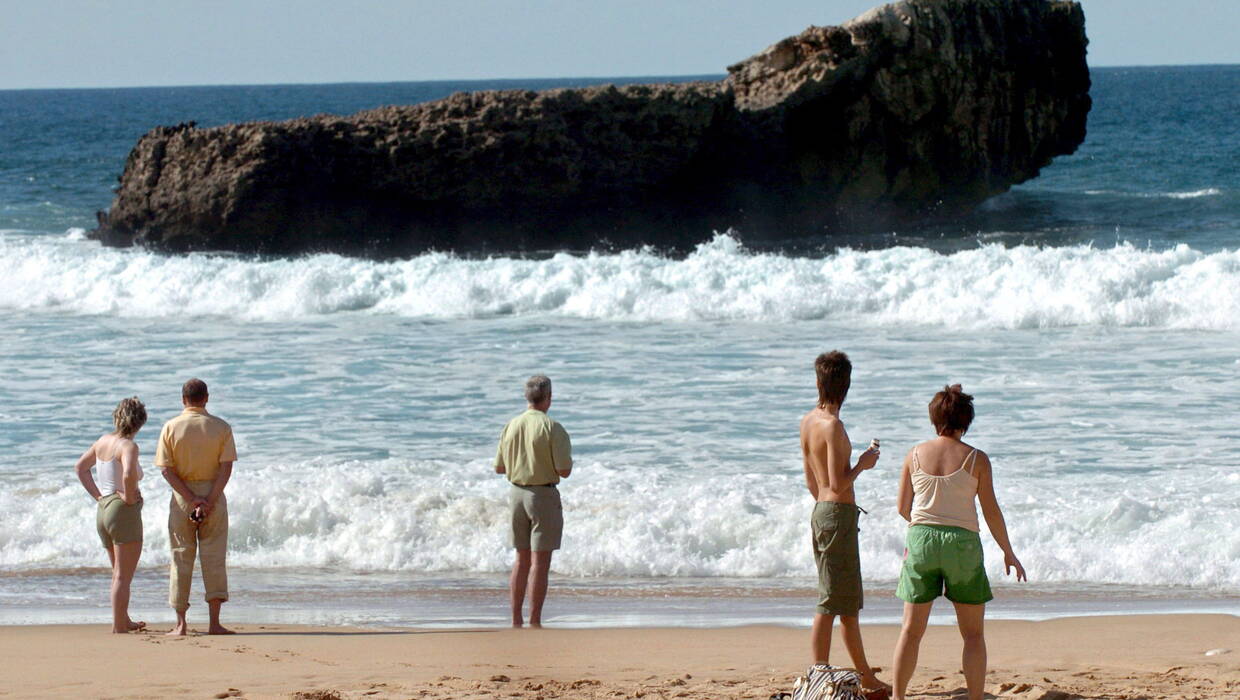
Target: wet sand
x,y
1135,656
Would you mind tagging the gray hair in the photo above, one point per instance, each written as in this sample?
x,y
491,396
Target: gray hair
x,y
537,388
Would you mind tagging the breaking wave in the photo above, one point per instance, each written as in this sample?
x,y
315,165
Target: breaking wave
x,y
991,286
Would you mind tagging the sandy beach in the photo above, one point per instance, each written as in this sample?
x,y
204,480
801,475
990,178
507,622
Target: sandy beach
x,y
1147,656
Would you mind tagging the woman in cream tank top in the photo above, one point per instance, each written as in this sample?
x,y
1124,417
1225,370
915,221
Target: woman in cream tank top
x,y
118,515
941,483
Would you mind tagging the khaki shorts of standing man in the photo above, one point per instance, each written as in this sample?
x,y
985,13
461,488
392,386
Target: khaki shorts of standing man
x,y
196,454
535,453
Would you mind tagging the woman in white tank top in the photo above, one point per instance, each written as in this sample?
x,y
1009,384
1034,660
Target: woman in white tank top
x,y
118,516
940,484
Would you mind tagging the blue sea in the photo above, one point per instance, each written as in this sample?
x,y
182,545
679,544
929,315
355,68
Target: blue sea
x,y
1094,312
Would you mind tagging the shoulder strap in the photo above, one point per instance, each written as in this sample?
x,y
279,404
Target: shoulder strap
x,y
970,461
916,461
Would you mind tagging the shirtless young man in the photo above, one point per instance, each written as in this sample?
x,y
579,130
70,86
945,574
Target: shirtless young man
x,y
829,477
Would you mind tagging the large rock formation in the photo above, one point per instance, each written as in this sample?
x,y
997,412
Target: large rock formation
x,y
921,106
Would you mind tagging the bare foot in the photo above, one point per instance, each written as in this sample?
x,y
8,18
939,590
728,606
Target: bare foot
x,y
135,626
517,624
219,629
870,682
535,625
180,630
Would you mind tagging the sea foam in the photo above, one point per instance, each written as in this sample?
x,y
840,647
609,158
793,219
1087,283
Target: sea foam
x,y
991,286
427,516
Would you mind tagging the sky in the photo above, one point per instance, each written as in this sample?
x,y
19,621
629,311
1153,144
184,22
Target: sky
x,y
113,43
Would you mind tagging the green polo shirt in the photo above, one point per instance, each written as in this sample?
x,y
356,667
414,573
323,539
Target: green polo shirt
x,y
532,447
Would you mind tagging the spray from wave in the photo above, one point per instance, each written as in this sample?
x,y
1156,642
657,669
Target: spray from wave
x,y
991,286
625,521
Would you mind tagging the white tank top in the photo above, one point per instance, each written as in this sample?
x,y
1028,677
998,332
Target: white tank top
x,y
111,475
945,500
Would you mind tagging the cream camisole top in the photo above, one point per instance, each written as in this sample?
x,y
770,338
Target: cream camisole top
x,y
945,500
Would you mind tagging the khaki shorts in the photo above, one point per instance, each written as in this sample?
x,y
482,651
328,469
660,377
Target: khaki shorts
x,y
537,517
117,521
834,527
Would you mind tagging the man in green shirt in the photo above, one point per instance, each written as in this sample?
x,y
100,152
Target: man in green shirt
x,y
535,453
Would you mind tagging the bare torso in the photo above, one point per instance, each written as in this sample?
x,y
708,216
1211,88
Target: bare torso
x,y
824,444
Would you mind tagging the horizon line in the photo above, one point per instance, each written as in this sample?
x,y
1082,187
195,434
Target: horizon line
x,y
661,77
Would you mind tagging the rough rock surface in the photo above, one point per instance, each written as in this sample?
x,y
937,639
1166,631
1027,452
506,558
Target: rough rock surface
x,y
921,106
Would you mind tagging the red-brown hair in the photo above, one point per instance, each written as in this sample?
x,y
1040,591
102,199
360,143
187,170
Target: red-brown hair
x,y
834,372
951,410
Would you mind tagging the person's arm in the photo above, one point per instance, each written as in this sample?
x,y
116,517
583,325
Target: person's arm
x,y
561,451
129,473
994,516
499,453
839,475
165,459
174,480
217,487
84,463
228,455
904,498
811,481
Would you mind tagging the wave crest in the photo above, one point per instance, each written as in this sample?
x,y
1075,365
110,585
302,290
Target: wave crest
x,y
990,286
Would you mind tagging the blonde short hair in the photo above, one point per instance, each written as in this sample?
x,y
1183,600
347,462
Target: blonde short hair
x,y
129,417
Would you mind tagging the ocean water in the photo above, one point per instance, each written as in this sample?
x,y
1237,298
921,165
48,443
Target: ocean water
x,y
1094,312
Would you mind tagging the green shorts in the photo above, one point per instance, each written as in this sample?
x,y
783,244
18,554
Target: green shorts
x,y
118,522
942,558
834,528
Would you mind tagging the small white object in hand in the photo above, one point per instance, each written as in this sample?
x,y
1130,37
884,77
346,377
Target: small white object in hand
x,y
1218,652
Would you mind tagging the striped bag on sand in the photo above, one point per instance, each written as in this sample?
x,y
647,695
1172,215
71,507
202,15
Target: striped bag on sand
x,y
825,682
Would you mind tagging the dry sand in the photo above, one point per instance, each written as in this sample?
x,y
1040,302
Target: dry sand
x,y
1157,656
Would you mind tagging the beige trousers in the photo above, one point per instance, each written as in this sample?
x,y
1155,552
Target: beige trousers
x,y
209,540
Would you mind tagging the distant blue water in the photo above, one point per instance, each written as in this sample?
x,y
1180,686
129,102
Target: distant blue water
x,y
1161,163
1094,311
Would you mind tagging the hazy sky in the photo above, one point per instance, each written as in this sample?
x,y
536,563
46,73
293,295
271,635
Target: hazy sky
x,y
96,43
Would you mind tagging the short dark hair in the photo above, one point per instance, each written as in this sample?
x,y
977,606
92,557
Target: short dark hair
x,y
951,409
834,372
537,388
194,390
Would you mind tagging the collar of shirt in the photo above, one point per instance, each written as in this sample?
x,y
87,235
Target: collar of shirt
x,y
196,409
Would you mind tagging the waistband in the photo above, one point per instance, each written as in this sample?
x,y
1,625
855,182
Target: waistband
x,y
114,496
945,529
533,486
837,505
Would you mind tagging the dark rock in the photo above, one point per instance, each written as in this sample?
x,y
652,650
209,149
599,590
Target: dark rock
x,y
923,106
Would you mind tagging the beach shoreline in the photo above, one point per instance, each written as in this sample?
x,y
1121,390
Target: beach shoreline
x,y
465,600
1125,656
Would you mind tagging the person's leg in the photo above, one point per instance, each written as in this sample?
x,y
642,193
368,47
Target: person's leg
x,y
916,616
125,562
851,627
970,619
183,540
538,585
213,555
546,531
823,538
820,638
516,585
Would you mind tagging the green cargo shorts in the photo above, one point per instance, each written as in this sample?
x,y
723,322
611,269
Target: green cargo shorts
x,y
834,528
943,558
118,522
